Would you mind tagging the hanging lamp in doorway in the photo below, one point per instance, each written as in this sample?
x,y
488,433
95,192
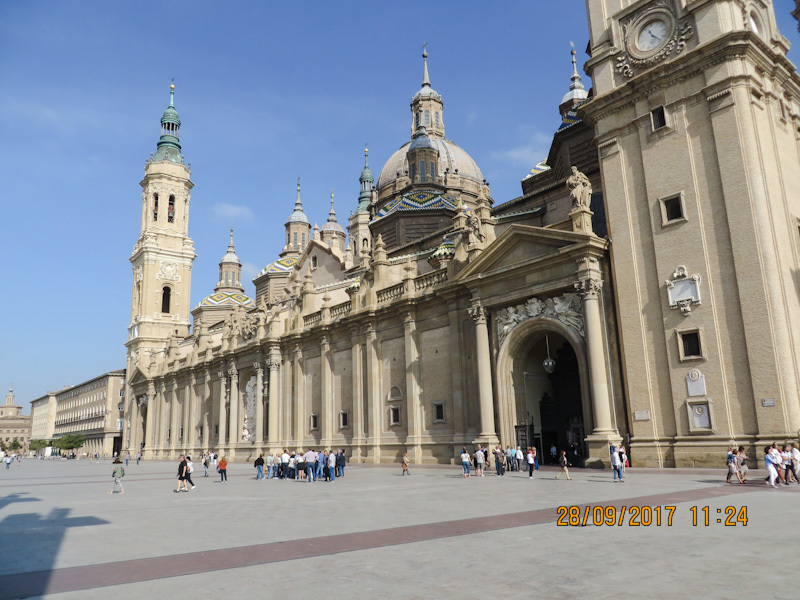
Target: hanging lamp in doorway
x,y
549,364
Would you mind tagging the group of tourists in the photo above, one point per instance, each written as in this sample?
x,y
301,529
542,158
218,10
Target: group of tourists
x,y
782,464
510,459
309,466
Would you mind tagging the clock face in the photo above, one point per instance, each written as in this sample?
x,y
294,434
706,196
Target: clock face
x,y
652,35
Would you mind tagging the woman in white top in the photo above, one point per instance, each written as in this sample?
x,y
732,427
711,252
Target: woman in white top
x,y
531,458
465,462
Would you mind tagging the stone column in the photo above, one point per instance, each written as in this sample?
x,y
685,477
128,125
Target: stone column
x,y
174,420
589,288
223,413
358,394
163,415
186,415
413,408
193,412
259,435
204,408
299,397
234,430
133,416
374,392
488,434
273,364
326,386
149,432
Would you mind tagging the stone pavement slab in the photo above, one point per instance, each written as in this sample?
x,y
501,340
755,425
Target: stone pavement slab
x,y
376,534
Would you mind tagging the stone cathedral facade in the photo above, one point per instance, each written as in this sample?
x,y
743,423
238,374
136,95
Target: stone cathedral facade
x,y
643,288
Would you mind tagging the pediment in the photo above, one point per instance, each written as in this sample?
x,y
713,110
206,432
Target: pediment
x,y
521,244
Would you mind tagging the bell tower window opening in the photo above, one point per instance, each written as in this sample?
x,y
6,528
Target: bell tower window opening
x,y
422,174
416,120
171,210
155,207
427,117
166,295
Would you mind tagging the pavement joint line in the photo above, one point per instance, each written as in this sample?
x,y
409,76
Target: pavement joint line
x,y
20,585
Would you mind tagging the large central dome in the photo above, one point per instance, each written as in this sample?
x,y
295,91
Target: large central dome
x,y
451,157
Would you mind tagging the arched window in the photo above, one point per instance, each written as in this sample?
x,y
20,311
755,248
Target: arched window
x,y
171,210
427,117
165,299
155,207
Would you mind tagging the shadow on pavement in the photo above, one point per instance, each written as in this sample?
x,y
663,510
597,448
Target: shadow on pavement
x,y
38,538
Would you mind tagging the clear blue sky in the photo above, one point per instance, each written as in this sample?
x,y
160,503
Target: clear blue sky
x,y
267,92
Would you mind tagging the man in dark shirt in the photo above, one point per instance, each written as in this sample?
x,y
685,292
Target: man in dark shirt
x,y
182,472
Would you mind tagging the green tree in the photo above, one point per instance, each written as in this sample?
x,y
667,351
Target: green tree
x,y
14,446
70,441
39,444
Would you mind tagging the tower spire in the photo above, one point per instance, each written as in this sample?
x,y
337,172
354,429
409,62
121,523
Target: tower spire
x,y
169,146
366,180
575,95
332,214
426,81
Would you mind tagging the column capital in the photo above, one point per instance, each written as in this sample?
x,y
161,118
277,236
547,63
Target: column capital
x,y
259,368
478,314
273,364
589,287
232,370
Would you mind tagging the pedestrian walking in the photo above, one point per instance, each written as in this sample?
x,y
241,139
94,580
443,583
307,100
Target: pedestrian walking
x,y
138,457
8,461
405,464
341,463
127,458
189,471
259,465
741,459
182,466
222,467
616,465
519,456
564,463
465,462
531,458
769,463
733,465
206,461
480,461
117,473
332,465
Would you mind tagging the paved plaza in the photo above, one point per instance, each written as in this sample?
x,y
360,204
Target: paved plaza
x,y
376,534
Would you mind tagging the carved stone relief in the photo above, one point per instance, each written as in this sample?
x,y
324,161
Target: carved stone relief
x,y
249,424
566,308
683,290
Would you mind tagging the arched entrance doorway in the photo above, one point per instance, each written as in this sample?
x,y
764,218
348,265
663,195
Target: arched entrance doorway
x,y
552,400
540,408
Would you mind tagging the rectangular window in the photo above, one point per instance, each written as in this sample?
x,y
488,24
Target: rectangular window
x,y
303,240
344,421
433,172
171,210
394,415
422,175
690,345
659,118
672,209
314,422
438,412
294,240
413,171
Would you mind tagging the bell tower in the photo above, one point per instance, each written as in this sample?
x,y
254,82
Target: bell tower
x,y
163,255
696,126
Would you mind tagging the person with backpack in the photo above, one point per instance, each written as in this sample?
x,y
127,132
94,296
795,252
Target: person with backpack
x,y
117,473
564,463
259,465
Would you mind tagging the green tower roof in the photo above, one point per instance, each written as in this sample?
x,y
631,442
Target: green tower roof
x,y
169,147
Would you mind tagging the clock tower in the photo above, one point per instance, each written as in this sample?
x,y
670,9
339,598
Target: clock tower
x,y
694,110
162,265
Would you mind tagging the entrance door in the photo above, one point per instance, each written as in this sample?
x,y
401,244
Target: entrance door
x,y
553,400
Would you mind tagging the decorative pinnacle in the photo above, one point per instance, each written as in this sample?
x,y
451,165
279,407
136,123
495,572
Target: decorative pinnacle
x,y
426,82
298,204
172,93
332,214
230,243
576,79
366,156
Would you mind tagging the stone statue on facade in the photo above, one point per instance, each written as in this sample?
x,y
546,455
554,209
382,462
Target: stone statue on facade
x,y
580,188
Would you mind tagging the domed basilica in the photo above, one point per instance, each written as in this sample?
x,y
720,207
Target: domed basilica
x,y
435,318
